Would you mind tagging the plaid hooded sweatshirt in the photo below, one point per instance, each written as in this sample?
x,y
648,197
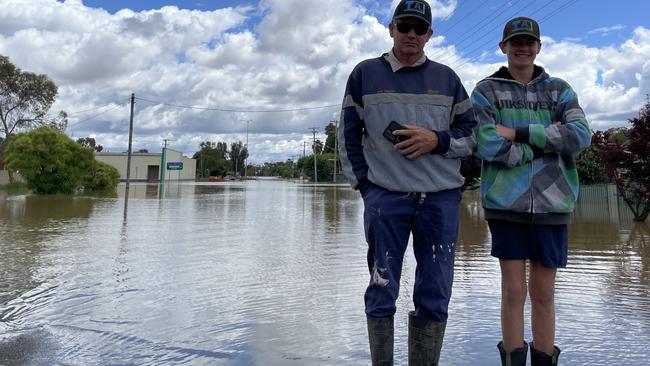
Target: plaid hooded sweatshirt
x,y
533,179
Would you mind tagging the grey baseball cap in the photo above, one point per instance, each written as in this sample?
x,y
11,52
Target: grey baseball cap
x,y
520,26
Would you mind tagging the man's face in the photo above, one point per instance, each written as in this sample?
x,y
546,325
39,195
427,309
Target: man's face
x,y
409,36
521,50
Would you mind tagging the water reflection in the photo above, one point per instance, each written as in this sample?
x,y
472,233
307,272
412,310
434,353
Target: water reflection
x,y
272,273
29,224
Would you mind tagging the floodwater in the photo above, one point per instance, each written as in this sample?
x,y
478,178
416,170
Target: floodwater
x,y
270,272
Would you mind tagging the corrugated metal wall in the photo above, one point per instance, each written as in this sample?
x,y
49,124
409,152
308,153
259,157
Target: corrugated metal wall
x,y
601,203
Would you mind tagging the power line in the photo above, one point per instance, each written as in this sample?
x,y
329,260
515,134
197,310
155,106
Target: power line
x,y
237,110
550,15
499,23
543,19
95,116
87,110
447,17
491,32
475,29
461,19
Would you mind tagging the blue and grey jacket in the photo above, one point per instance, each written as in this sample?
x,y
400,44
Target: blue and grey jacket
x,y
533,179
429,95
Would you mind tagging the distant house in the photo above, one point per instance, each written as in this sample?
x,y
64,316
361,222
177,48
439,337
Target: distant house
x,y
145,167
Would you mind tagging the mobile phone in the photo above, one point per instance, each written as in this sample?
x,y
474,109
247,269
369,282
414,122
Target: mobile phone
x,y
388,133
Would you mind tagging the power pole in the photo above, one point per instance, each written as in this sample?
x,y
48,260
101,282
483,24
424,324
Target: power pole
x,y
163,161
246,159
304,148
336,148
313,130
128,159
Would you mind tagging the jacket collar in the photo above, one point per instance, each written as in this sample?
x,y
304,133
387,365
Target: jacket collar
x,y
504,74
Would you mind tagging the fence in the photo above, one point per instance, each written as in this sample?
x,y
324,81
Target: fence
x,y
602,203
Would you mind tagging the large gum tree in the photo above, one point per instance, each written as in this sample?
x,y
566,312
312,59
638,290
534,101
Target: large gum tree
x,y
25,100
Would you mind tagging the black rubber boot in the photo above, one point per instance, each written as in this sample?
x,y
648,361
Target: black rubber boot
x,y
515,358
380,337
425,340
538,358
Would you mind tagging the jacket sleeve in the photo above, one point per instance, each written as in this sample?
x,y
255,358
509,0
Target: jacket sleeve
x,y
459,140
491,146
350,133
570,136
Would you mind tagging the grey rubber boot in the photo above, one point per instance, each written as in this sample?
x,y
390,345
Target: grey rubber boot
x,y
515,358
425,340
380,337
538,358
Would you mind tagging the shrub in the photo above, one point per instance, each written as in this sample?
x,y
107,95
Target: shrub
x,y
103,177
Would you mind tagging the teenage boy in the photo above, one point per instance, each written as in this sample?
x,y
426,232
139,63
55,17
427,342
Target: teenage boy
x,y
531,128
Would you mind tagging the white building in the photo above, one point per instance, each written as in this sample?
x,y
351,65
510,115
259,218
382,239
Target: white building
x,y
145,167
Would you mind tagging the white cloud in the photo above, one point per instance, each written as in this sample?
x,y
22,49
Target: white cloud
x,y
606,30
298,54
440,9
621,93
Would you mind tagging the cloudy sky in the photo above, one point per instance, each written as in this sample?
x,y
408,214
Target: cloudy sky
x,y
213,69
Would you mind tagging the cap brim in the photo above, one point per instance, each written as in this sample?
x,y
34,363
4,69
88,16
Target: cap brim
x,y
521,34
413,16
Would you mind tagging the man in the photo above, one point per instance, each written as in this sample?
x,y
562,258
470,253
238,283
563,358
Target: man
x,y
531,128
412,186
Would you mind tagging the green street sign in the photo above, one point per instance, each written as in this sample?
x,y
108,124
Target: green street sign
x,y
175,165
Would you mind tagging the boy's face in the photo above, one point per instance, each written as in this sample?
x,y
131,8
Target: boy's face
x,y
521,50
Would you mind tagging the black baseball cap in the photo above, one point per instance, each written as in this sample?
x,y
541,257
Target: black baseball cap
x,y
413,8
520,26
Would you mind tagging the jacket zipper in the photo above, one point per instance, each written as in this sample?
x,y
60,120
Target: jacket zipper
x,y
532,161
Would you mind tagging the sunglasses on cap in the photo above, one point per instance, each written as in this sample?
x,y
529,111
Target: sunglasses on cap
x,y
420,28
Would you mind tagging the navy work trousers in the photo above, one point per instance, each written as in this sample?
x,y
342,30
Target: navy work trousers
x,y
389,219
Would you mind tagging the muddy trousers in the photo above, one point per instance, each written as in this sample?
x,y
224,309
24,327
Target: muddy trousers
x,y
389,219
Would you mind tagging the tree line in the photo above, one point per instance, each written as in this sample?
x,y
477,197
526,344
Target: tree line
x,y
215,159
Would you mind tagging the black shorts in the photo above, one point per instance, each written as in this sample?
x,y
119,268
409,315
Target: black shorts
x,y
546,244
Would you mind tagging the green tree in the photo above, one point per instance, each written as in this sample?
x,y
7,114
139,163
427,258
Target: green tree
x,y
103,177
590,169
317,147
89,142
50,161
238,154
324,166
626,161
211,159
222,149
330,142
284,169
25,100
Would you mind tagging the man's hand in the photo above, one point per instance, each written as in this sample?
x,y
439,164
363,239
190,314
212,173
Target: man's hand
x,y
506,133
421,141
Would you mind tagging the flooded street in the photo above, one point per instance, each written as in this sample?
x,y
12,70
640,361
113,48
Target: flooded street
x,y
270,272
